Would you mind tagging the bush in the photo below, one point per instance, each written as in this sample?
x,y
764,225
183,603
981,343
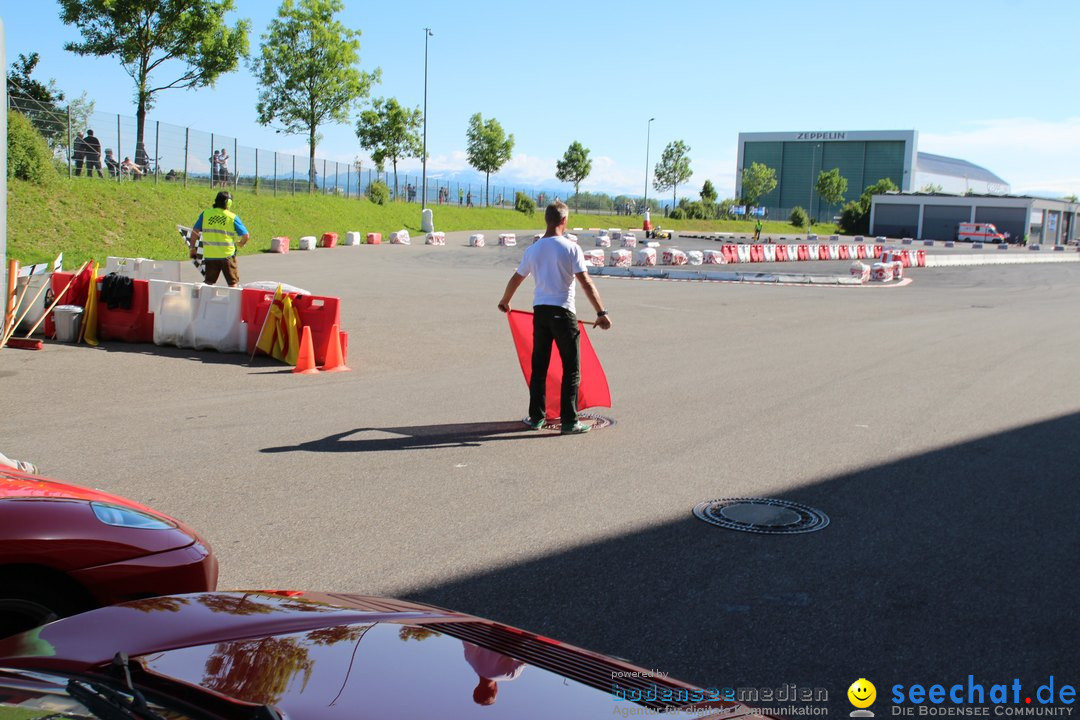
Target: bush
x,y
677,214
798,217
524,204
378,192
28,154
853,220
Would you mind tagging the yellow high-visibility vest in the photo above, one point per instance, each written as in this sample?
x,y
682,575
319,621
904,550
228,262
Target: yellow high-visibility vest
x,y
218,234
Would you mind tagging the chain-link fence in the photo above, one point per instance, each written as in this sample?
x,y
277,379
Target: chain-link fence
x,y
171,153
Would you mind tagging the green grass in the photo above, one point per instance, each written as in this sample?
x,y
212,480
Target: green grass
x,y
91,219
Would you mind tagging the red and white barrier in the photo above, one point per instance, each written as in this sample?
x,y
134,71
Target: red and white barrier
x,y
594,258
508,239
646,257
861,271
629,241
715,257
374,238
400,237
881,272
279,245
603,241
674,256
436,238
621,258
695,257
476,240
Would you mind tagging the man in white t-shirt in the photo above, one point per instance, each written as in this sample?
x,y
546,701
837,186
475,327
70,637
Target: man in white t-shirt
x,y
554,262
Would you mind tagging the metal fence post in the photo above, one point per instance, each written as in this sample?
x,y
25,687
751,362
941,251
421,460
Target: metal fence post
x,y
187,142
255,182
69,140
293,183
119,176
323,175
157,150
275,173
236,163
213,170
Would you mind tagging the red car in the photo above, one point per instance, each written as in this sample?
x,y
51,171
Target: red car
x,y
304,656
65,549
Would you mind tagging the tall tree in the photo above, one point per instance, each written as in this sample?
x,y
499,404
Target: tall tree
x,y
758,180
308,71
831,186
146,34
390,132
673,169
488,149
20,83
575,166
708,197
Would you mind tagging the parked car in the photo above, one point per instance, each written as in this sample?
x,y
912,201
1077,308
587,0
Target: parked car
x,y
65,549
278,654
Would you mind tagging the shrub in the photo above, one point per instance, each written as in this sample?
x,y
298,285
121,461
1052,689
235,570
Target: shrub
x,y
853,220
524,204
28,154
798,217
677,214
378,192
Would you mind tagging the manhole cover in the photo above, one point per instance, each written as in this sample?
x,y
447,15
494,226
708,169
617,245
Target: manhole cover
x,y
761,515
598,422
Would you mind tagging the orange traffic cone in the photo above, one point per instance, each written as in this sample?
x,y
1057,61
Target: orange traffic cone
x,y
334,361
305,363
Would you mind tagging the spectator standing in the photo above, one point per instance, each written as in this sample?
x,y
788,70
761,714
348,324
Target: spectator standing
x,y
468,199
78,152
215,166
93,154
460,195
223,168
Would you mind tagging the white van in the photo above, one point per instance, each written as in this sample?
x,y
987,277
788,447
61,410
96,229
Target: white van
x,y
979,232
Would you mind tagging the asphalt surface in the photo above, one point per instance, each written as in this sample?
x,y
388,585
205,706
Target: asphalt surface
x,y
934,423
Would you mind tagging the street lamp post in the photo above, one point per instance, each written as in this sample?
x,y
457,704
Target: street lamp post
x,y
648,136
423,180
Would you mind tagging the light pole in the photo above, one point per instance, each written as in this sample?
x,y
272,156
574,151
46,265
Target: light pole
x,y
810,210
423,177
648,136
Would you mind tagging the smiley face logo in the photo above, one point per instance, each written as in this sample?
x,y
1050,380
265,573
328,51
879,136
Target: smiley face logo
x,y
862,693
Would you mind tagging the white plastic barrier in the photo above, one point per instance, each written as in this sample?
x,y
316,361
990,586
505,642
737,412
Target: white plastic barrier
x,y
400,237
279,245
715,257
629,241
168,270
217,324
616,234
603,241
29,286
571,237
307,243
743,253
122,266
674,256
834,252
695,257
898,270
881,272
769,252
174,305
860,270
436,238
621,258
352,237
476,240
595,258
646,257
508,239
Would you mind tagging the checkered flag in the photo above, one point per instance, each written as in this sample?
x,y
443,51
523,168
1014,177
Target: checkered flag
x,y
200,265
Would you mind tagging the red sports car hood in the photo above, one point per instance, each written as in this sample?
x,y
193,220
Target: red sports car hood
x,y
344,656
15,485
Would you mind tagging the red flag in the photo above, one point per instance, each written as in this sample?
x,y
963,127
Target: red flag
x,y
593,390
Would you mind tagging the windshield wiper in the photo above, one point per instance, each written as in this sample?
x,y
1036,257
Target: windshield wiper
x,y
109,703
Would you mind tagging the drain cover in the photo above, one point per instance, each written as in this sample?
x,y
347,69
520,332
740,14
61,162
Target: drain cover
x,y
761,515
598,422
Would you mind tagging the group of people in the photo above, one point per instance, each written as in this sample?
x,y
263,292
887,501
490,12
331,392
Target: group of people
x,y
219,168
86,152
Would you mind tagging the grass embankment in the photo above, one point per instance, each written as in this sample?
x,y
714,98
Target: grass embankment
x,y
87,219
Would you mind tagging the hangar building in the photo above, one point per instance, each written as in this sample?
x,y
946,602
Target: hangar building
x,y
863,157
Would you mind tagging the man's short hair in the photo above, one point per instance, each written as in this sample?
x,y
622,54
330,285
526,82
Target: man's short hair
x,y
556,213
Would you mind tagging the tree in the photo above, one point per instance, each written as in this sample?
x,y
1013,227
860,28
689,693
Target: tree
x,y
758,180
146,34
390,132
489,148
831,186
308,71
575,165
708,197
931,188
1071,198
673,168
855,215
881,187
20,82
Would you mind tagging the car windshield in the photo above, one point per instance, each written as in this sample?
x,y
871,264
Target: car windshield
x,y
28,695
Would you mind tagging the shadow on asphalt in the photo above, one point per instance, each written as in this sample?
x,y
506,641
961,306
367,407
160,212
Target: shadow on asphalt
x,y
959,561
415,437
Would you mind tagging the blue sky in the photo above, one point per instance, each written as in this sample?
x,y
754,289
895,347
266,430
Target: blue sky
x,y
990,82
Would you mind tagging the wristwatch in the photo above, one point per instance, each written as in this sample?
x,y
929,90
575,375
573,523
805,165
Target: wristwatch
x,y
602,313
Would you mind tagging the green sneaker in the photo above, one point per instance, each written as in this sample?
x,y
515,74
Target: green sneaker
x,y
577,428
533,424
